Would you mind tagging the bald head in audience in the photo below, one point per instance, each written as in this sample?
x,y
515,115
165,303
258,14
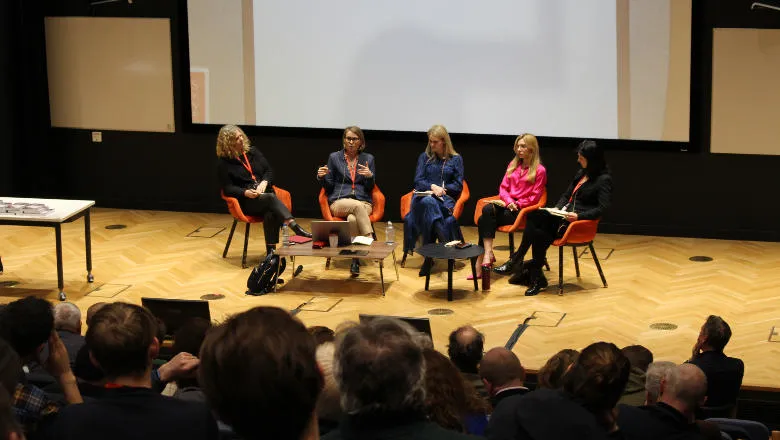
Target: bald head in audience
x,y
465,348
500,369
67,317
684,388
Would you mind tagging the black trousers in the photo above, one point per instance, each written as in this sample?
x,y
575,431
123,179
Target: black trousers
x,y
541,230
272,210
494,216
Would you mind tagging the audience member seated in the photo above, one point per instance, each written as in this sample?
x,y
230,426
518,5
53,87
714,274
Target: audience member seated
x,y
67,322
683,391
465,351
640,358
259,373
724,374
91,310
583,410
550,376
188,339
329,403
121,339
380,370
91,379
27,324
322,334
9,429
10,367
452,402
655,374
503,375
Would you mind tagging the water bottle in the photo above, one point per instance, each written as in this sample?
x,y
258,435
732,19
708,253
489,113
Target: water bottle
x,y
285,235
389,233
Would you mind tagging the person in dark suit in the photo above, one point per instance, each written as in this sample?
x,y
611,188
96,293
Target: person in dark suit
x,y
348,179
586,198
724,374
245,174
503,375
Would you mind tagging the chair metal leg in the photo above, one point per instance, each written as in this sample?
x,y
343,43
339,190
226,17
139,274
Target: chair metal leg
x,y
230,238
246,245
576,261
598,265
560,270
327,263
403,260
511,243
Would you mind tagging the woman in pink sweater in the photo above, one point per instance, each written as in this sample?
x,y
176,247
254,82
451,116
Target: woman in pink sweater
x,y
522,186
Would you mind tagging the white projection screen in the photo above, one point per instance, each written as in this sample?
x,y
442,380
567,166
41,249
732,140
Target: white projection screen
x,y
613,69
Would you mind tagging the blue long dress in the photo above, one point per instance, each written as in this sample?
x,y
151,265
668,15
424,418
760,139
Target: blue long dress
x,y
426,210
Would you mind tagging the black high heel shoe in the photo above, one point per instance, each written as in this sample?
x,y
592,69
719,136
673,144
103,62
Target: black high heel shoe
x,y
298,229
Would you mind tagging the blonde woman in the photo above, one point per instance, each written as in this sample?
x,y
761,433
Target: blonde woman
x,y
244,173
348,179
439,180
522,186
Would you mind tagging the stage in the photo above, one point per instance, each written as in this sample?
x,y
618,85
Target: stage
x,y
651,281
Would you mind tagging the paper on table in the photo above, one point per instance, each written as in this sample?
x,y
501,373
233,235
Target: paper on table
x,y
362,239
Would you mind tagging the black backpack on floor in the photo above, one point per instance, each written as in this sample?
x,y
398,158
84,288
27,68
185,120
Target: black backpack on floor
x,y
264,276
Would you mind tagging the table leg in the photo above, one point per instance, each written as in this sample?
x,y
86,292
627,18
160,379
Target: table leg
x,y
474,272
382,276
292,261
427,279
450,267
395,265
58,244
88,242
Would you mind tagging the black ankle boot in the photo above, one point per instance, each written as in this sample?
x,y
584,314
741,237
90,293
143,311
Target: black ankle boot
x,y
521,274
427,265
538,280
298,229
354,269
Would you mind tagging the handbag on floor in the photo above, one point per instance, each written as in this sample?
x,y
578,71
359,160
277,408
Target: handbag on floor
x,y
266,275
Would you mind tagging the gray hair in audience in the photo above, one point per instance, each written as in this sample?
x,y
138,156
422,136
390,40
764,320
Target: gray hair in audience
x,y
687,384
655,372
67,316
379,365
329,402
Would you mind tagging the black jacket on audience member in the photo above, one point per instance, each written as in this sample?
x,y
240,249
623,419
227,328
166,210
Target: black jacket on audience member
x,y
659,421
724,377
409,425
129,413
545,414
509,392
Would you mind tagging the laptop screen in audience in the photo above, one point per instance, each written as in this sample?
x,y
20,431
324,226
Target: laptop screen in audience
x,y
175,312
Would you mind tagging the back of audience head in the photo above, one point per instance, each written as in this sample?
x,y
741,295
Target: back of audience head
x,y
638,356
552,373
716,333
598,377
465,348
10,367
259,373
501,368
379,366
655,373
67,317
322,334
122,339
92,310
188,339
329,403
685,388
26,325
448,397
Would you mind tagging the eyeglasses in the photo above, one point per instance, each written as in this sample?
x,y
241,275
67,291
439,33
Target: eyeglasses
x,y
352,139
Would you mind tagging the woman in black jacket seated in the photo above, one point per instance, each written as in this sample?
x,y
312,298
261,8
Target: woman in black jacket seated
x,y
244,173
586,198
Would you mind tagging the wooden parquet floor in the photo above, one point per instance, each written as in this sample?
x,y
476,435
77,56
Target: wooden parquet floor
x,y
650,281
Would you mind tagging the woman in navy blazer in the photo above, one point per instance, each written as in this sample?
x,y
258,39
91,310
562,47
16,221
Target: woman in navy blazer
x,y
348,179
587,197
439,182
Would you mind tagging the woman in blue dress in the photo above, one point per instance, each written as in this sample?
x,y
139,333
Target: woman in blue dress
x,y
438,182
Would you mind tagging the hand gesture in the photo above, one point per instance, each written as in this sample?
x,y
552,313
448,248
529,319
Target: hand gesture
x,y
58,363
437,190
571,216
322,171
364,170
251,194
696,349
512,206
261,187
182,365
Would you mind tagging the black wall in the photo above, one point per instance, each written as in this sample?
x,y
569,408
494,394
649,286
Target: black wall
x,y
657,190
6,97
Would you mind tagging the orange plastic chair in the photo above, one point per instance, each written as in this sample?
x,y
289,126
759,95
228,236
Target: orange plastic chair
x,y
519,223
406,206
579,233
377,203
238,216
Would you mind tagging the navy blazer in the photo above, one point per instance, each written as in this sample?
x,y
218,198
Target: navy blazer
x,y
338,181
447,173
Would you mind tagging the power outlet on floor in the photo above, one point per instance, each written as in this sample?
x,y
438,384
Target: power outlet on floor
x,y
97,136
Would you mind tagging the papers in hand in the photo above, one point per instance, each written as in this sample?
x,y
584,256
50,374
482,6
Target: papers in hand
x,y
362,239
452,243
497,202
423,193
556,211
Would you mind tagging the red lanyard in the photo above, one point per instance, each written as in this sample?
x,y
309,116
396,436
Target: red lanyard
x,y
248,167
352,169
112,386
579,184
